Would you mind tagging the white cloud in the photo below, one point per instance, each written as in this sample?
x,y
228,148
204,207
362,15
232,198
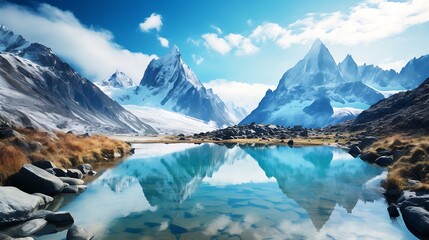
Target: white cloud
x,y
197,59
164,42
152,22
388,64
217,29
243,45
92,50
212,41
366,22
245,95
223,45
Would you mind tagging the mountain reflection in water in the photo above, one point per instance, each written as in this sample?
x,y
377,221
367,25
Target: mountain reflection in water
x,y
246,192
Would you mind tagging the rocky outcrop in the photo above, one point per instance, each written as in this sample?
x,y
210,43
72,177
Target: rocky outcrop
x,y
32,179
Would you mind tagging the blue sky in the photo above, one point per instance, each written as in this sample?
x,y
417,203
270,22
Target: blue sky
x,y
240,43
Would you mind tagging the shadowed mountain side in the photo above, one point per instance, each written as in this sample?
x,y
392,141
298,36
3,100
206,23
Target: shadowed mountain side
x,y
317,178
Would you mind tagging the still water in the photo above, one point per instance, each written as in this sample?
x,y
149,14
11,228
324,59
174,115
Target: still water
x,y
209,191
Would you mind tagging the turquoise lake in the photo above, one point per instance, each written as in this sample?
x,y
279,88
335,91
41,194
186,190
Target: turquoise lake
x,y
209,191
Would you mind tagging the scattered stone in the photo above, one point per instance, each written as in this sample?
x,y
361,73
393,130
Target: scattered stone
x,y
367,141
60,219
47,199
72,181
181,135
384,161
132,150
60,172
44,164
85,168
304,133
182,139
290,143
7,132
92,173
70,189
355,151
32,179
16,205
393,211
417,218
28,228
78,233
369,157
74,173
81,187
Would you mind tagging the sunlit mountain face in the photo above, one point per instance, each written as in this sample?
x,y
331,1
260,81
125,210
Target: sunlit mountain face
x,y
205,191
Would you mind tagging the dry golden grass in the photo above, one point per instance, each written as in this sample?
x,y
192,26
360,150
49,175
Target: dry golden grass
x,y
11,160
414,165
64,150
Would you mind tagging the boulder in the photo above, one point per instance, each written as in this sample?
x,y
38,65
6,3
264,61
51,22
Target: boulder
x,y
7,132
50,170
369,157
397,154
16,205
46,199
44,164
42,214
384,161
367,141
32,179
60,219
59,172
92,173
290,143
70,189
27,229
393,211
74,173
81,187
5,237
355,151
78,233
72,181
417,218
304,133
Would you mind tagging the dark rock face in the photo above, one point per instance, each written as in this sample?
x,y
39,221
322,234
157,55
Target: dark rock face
x,y
384,161
74,173
355,151
402,112
44,164
321,106
60,219
32,179
417,218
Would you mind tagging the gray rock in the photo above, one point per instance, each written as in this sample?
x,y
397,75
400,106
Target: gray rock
x,y
32,179
47,199
70,189
27,229
85,168
384,161
47,229
74,173
367,141
16,205
78,233
417,218
8,132
355,151
92,173
81,187
393,211
50,170
72,181
5,237
369,157
59,172
44,164
41,214
60,219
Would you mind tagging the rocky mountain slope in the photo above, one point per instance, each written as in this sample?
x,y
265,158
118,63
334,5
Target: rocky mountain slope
x,y
402,112
170,84
38,89
315,93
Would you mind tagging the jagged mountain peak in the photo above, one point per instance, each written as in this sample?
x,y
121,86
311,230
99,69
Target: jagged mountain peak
x,y
175,50
118,80
10,41
349,69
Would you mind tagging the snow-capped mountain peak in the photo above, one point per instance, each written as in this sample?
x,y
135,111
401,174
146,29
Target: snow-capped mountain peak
x,y
11,41
118,80
319,58
349,69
